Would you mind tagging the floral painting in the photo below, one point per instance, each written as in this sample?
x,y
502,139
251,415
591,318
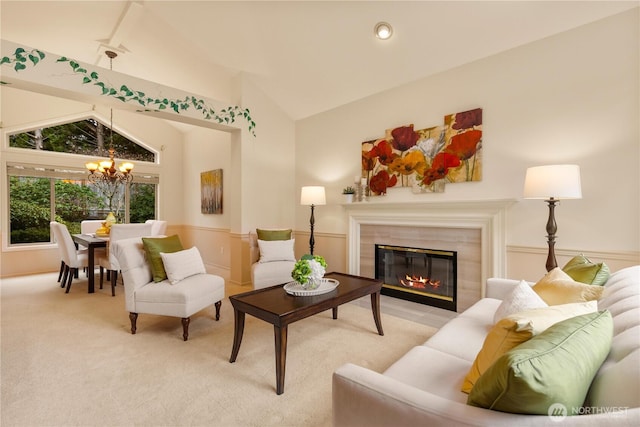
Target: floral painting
x,y
211,192
428,158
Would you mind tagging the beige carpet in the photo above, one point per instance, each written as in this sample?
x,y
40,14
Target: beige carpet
x,y
69,359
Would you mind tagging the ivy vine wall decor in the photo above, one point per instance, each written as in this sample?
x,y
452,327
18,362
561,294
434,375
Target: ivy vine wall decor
x,y
425,159
23,58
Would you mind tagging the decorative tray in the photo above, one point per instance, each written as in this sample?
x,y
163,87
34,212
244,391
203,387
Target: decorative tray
x,y
326,285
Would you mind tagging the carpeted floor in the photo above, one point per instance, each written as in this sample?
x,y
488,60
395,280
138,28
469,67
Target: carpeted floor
x,y
70,360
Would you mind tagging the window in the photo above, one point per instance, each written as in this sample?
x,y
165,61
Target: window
x,y
39,194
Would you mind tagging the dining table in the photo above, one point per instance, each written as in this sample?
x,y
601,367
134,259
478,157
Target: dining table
x,y
91,242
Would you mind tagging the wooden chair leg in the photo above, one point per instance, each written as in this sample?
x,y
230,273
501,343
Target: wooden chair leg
x,y
114,279
62,265
101,276
72,272
218,305
64,276
185,327
133,317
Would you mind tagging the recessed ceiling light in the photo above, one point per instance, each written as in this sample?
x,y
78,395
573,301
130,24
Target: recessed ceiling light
x,y
383,30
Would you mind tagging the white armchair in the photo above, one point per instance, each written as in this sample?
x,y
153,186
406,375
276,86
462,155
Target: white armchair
x,y
180,299
265,272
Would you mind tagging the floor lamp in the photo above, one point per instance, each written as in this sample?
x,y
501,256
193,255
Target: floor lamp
x,y
312,196
552,183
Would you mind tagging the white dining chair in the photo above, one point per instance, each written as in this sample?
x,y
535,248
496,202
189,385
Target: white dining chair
x,y
158,227
90,226
72,258
109,261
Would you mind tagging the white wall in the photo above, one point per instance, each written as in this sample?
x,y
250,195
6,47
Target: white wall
x,y
571,98
204,150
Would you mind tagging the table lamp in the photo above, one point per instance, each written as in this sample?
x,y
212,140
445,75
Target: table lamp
x,y
552,183
312,196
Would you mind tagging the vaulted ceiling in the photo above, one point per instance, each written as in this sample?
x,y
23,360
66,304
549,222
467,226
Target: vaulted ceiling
x,y
308,56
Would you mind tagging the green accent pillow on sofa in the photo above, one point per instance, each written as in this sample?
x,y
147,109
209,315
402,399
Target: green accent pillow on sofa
x,y
273,234
582,269
153,246
556,366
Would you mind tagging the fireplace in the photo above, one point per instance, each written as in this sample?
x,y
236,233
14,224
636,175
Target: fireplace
x,y
475,229
426,276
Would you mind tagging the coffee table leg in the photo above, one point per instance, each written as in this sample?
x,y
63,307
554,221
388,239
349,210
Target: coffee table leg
x,y
280,334
375,307
237,333
335,312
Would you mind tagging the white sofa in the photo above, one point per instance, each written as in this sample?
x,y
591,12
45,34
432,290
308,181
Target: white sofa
x,y
423,386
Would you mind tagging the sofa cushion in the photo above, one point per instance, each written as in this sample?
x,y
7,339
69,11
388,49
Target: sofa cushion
x,y
521,298
518,328
273,234
276,250
556,287
182,264
582,269
463,336
153,246
555,367
431,370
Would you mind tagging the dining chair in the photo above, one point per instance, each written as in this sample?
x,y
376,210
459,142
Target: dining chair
x,y
109,261
158,228
89,226
72,258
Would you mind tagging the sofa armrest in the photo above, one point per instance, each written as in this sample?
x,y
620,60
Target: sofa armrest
x,y
500,288
362,397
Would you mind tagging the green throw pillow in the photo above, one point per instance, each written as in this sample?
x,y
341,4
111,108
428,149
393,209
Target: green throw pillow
x,y
273,234
581,269
556,366
153,246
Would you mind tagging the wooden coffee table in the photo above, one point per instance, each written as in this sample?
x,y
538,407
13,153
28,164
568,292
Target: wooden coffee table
x,y
274,305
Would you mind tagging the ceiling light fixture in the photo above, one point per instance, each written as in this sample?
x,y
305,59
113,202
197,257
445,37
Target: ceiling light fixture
x,y
105,170
383,30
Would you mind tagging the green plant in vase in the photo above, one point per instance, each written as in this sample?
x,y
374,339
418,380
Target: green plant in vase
x,y
309,271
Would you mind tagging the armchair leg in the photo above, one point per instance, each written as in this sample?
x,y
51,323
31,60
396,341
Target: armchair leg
x,y
185,327
218,305
133,317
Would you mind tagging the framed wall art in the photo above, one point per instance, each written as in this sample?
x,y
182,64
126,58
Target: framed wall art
x,y
211,192
425,159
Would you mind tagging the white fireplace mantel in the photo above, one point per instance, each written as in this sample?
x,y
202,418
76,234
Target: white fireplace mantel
x,y
489,216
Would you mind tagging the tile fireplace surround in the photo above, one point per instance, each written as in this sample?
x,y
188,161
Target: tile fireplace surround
x,y
474,229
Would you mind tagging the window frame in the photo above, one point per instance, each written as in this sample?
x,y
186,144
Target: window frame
x,y
70,166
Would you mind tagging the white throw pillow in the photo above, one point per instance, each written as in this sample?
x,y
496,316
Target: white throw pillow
x,y
523,297
182,264
276,250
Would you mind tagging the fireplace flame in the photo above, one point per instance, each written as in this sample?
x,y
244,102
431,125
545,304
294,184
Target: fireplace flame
x,y
419,282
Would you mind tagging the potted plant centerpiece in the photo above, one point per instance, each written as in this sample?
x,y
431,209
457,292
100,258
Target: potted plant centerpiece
x,y
309,271
348,194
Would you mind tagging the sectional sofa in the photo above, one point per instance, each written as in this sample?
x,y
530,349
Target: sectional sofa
x,y
424,386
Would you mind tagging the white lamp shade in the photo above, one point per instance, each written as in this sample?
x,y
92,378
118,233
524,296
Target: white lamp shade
x,y
553,181
312,195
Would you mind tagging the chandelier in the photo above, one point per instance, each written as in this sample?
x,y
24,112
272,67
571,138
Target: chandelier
x,y
105,170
